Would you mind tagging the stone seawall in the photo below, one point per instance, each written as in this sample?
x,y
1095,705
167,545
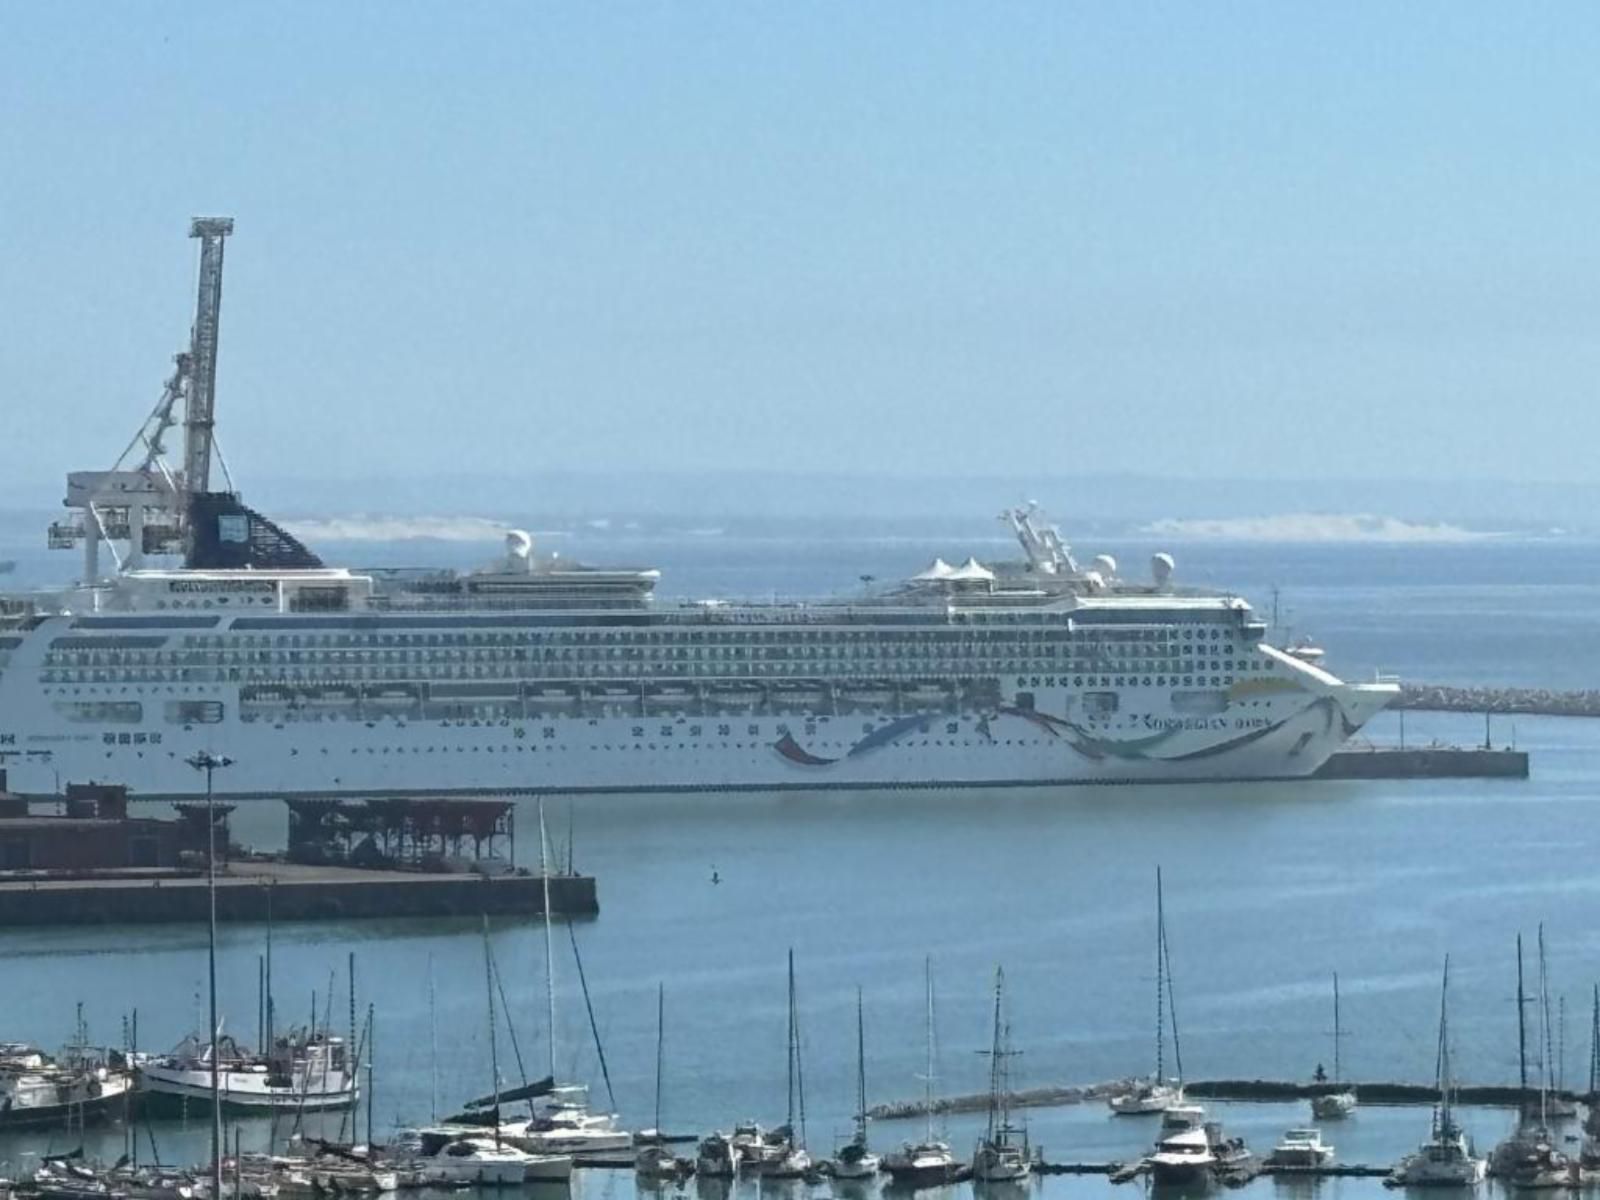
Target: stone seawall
x,y
1434,697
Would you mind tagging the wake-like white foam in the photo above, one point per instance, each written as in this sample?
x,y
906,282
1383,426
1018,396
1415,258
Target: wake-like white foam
x,y
1313,527
361,528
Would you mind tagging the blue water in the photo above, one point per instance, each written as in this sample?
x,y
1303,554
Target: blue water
x,y
1270,888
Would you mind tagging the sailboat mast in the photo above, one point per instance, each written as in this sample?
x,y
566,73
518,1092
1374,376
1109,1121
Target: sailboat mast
x,y
661,1033
1522,1031
1338,1074
1594,1044
861,1072
789,1112
1544,1030
1161,981
494,1049
549,951
1444,1050
433,1047
927,1086
995,1118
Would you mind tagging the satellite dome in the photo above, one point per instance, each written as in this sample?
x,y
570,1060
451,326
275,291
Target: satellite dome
x,y
1161,566
1106,565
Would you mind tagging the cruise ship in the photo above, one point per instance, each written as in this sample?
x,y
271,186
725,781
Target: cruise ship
x,y
535,675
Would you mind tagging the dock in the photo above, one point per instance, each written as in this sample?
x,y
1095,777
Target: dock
x,y
259,890
1425,762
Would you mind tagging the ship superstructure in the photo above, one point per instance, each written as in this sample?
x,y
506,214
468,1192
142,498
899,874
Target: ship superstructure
x,y
537,675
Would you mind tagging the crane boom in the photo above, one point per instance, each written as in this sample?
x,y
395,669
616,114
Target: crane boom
x,y
200,415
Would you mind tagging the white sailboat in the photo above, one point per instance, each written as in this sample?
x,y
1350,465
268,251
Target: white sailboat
x,y
1447,1158
561,1121
1340,1100
1001,1156
929,1162
1157,1093
655,1159
792,1160
855,1160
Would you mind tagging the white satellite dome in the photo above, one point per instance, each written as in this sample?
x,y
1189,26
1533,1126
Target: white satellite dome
x,y
1161,568
1106,565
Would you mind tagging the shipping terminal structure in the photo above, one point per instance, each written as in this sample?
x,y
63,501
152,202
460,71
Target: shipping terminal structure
x,y
201,625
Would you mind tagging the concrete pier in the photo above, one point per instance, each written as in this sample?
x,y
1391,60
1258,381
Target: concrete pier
x,y
1425,762
289,892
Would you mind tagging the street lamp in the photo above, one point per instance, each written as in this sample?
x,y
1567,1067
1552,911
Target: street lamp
x,y
204,760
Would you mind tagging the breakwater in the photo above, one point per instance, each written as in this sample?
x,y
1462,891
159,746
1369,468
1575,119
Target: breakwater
x,y
1548,702
1496,1095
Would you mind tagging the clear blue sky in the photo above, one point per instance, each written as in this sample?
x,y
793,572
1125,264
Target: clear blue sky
x,y
1228,239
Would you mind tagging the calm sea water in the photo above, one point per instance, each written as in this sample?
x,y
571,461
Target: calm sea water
x,y
1270,889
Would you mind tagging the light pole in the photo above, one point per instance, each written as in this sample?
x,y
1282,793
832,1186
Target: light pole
x,y
204,760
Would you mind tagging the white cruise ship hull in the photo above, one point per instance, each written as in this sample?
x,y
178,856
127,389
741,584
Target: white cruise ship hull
x,y
1039,739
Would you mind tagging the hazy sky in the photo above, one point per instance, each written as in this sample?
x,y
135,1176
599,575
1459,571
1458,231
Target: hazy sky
x,y
1196,239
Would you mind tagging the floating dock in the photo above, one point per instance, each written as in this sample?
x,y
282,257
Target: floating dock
x,y
1425,762
255,891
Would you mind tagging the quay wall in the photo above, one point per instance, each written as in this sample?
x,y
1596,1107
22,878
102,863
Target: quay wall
x,y
306,895
1425,762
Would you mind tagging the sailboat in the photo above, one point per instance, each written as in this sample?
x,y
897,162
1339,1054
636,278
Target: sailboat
x,y
1001,1157
655,1159
561,1122
1157,1093
855,1160
928,1162
793,1160
1529,1158
1340,1101
465,1155
1447,1158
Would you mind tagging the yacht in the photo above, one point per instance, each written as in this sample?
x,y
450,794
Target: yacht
x,y
1447,1158
1003,1154
458,1157
1158,1092
717,1157
655,1159
929,1162
855,1160
1301,1148
1183,1154
1336,1100
788,1157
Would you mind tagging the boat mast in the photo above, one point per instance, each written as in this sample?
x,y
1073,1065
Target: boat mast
x,y
661,1033
549,952
998,1119
1522,1034
1338,1074
1172,1002
494,1049
1594,1045
1544,1031
1161,981
861,1073
433,1047
927,1087
1445,1125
